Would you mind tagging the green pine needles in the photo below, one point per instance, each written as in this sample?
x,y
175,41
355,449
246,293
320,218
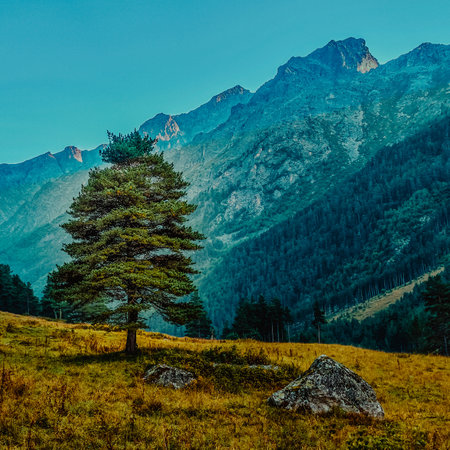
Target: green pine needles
x,y
126,148
130,239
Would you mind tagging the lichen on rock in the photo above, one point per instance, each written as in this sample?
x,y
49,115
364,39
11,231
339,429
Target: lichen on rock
x,y
168,376
328,385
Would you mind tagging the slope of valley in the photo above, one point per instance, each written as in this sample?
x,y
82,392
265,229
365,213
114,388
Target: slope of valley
x,y
386,224
257,162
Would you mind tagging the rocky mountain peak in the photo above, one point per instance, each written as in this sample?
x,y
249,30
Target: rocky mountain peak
x,y
170,130
429,53
73,152
174,130
337,56
367,63
234,91
162,126
348,54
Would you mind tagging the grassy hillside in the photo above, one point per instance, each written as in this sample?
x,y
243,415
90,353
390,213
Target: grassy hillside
x,y
68,386
381,302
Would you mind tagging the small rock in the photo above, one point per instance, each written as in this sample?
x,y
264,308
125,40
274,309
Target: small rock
x,y
263,367
249,366
164,375
326,385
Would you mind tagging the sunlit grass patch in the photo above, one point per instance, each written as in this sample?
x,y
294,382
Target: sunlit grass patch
x,y
71,386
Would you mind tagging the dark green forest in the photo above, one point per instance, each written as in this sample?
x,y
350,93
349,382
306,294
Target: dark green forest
x,y
418,323
16,296
201,326
382,227
261,320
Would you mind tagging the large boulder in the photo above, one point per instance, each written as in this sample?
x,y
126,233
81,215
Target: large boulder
x,y
164,375
328,385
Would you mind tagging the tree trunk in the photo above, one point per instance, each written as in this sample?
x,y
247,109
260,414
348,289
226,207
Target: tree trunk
x,y
131,346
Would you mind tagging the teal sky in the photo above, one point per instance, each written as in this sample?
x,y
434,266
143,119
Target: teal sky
x,y
72,69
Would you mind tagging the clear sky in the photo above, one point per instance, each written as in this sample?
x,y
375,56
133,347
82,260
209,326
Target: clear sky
x,y
71,69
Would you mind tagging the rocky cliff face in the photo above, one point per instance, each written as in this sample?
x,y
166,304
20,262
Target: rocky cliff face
x,y
253,160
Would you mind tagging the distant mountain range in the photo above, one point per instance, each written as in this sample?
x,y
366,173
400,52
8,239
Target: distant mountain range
x,y
254,161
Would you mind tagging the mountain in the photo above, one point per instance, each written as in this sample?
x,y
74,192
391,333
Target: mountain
x,y
34,198
254,161
180,129
383,226
35,194
18,182
314,124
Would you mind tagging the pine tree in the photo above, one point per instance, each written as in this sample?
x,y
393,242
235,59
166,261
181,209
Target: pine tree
x,y
6,289
259,320
319,319
280,318
200,327
130,240
53,308
15,295
49,308
437,303
263,318
227,332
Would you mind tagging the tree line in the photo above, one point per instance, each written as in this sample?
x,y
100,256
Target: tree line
x,y
16,296
418,323
261,320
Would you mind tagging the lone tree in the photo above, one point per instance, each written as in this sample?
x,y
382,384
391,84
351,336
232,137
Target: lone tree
x,y
319,319
130,239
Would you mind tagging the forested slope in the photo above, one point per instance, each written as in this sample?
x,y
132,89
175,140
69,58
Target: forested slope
x,y
386,224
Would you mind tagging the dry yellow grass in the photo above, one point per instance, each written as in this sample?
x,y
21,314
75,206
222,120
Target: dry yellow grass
x,y
380,302
68,386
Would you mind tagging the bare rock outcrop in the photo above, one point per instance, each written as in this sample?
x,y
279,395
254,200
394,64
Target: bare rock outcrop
x,y
328,385
168,376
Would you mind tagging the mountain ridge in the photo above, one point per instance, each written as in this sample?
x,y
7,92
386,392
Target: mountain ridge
x,y
273,153
182,128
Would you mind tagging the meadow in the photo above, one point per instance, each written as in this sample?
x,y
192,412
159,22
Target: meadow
x,y
66,386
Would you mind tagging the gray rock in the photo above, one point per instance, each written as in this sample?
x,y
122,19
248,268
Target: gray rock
x,y
263,367
164,375
325,386
249,366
